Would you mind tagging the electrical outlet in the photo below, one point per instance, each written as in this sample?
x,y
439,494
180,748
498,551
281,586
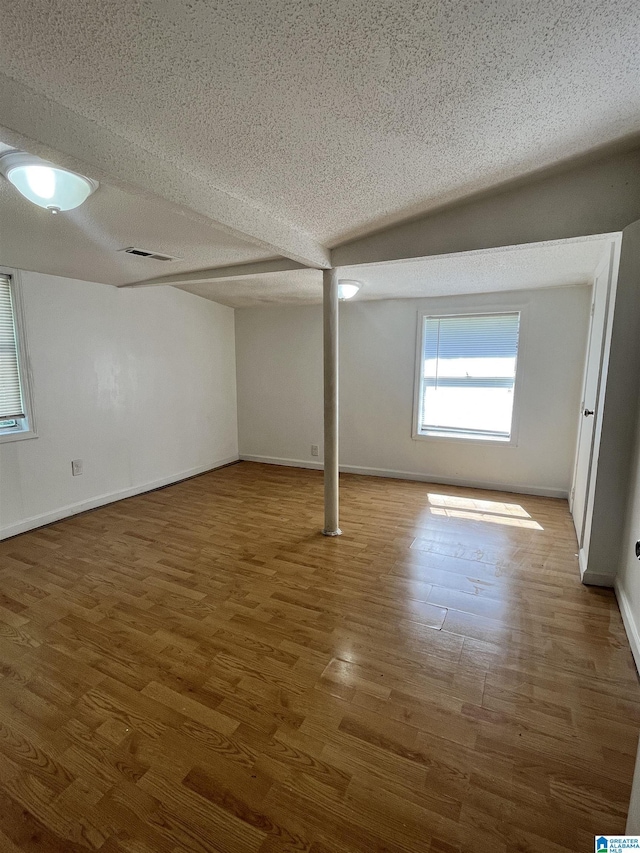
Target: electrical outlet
x,y
315,450
76,467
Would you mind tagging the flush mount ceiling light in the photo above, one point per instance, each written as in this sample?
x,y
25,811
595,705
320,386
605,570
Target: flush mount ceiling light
x,y
44,184
347,289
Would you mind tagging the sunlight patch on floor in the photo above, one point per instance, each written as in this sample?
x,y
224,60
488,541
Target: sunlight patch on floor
x,y
493,512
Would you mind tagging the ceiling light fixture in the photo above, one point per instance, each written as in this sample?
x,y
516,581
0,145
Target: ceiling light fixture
x,y
44,184
347,289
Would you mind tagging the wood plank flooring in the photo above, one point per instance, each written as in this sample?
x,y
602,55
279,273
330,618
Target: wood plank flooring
x,y
198,669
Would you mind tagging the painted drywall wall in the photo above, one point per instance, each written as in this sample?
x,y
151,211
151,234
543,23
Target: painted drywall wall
x,y
618,419
139,384
279,370
627,586
633,816
619,477
593,196
627,581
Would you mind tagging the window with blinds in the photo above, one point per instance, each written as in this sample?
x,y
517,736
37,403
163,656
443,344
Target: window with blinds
x,y
14,416
467,376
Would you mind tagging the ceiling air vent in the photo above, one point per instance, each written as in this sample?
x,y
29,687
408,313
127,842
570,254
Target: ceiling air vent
x,y
148,253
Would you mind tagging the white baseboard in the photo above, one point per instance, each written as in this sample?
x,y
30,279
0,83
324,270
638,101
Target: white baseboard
x,y
582,563
591,578
413,475
629,623
288,463
595,579
100,500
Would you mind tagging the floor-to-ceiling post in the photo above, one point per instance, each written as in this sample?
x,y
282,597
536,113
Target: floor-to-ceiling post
x,y
330,340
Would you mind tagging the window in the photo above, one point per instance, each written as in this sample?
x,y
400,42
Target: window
x,y
16,419
466,376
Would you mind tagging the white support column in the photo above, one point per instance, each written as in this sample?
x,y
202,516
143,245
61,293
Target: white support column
x,y
330,340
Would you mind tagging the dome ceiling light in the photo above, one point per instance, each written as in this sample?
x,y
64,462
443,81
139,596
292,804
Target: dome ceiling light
x,y
44,184
347,289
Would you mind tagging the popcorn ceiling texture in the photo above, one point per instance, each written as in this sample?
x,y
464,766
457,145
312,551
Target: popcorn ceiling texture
x,y
515,268
85,243
344,115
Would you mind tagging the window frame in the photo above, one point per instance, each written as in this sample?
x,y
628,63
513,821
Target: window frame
x,y
24,363
470,438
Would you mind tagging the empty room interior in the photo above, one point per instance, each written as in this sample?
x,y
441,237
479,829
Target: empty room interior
x,y
319,426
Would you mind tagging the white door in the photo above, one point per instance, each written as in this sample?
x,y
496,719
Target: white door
x,y
590,409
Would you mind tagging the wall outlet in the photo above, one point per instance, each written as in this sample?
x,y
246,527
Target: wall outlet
x,y
315,450
76,467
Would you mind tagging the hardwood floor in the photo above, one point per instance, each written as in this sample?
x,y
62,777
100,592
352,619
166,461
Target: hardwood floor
x,y
197,669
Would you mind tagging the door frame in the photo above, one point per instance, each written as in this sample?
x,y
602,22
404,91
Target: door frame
x,y
610,260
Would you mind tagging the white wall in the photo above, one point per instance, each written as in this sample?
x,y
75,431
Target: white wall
x,y
623,485
627,582
139,384
633,816
627,586
613,482
279,370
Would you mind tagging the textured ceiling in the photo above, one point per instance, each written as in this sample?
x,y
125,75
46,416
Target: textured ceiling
x,y
85,243
293,286
553,264
335,117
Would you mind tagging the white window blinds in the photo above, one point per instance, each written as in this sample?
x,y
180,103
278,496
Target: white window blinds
x,y
11,403
468,375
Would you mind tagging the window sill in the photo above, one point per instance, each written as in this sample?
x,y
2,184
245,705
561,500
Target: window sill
x,y
19,435
470,438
